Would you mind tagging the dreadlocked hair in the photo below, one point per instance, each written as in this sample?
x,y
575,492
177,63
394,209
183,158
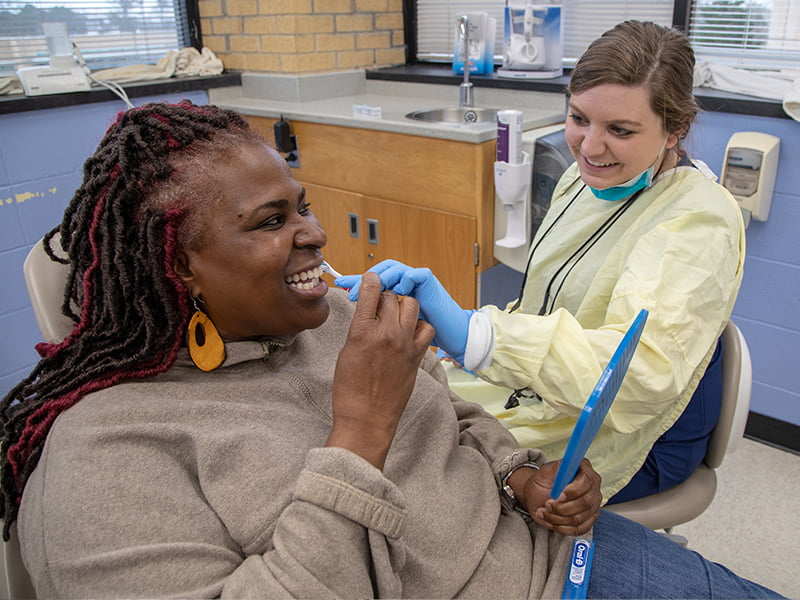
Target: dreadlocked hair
x,y
120,233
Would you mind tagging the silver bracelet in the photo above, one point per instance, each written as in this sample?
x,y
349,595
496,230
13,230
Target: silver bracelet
x,y
509,493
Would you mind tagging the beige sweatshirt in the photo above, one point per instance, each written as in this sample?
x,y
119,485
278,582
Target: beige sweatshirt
x,y
201,485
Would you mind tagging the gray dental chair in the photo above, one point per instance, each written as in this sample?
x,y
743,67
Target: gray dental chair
x,y
15,584
688,500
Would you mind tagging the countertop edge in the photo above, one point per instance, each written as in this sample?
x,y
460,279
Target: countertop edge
x,y
259,108
454,132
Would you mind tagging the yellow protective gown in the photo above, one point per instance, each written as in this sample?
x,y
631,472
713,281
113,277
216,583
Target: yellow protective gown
x,y
677,251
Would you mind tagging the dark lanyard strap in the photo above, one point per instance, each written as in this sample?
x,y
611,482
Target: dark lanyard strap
x,y
580,252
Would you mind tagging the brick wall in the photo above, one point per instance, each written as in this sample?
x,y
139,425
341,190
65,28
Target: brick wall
x,y
304,36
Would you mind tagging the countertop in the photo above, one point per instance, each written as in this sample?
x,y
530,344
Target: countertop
x,y
330,99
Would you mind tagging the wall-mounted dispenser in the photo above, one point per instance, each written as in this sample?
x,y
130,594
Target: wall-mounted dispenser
x,y
545,157
749,170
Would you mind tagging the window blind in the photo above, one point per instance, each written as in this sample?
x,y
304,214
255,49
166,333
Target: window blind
x,y
581,20
436,21
585,20
109,33
760,34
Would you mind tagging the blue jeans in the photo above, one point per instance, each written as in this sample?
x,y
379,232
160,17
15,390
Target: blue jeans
x,y
631,561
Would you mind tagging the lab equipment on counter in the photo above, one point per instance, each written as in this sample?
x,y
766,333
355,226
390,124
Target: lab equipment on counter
x,y
64,73
473,44
532,40
749,171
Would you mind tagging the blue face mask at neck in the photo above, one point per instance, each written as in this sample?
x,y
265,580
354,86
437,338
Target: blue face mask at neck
x,y
622,191
630,187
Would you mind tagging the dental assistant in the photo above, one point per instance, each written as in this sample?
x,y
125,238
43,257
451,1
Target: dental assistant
x,y
634,223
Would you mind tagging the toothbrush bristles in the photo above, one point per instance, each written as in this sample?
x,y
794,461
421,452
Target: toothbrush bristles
x,y
330,270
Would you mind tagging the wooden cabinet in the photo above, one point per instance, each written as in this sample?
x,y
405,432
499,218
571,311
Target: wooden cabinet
x,y
423,201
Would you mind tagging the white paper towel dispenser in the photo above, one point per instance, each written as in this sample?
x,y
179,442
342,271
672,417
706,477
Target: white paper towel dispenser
x,y
749,170
550,157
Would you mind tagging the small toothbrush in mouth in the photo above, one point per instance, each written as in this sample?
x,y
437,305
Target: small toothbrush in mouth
x,y
330,270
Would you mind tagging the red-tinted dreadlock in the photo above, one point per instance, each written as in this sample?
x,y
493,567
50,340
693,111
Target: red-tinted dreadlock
x,y
120,233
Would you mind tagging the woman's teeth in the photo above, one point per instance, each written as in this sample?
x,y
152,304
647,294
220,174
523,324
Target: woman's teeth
x,y
598,164
305,280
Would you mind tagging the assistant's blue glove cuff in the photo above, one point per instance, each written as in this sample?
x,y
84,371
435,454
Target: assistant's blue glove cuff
x,y
452,332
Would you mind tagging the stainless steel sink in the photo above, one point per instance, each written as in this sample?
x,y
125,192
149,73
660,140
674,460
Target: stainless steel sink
x,y
455,115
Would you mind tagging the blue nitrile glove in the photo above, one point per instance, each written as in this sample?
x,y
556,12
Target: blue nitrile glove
x,y
450,321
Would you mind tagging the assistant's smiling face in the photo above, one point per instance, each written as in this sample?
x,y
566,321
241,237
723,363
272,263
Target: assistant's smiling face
x,y
257,265
614,135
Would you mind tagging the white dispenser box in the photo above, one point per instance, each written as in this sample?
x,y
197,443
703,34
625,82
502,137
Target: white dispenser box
x,y
480,35
532,40
749,171
63,75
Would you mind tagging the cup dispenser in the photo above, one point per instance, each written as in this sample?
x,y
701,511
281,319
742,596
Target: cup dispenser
x,y
528,167
512,178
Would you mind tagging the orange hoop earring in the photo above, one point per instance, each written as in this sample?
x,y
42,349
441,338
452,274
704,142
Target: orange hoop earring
x,y
206,347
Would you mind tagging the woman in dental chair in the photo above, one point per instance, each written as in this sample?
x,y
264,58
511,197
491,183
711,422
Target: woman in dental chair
x,y
221,424
633,224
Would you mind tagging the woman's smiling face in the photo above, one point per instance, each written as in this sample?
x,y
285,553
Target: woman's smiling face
x,y
257,266
614,135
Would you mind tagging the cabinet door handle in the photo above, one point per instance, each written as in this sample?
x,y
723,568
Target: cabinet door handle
x,y
372,231
353,221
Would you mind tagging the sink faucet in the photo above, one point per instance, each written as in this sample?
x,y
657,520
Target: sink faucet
x,y
465,99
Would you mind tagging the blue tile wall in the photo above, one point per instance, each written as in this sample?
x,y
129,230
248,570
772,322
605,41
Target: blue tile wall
x,y
3,173
13,294
777,238
60,142
755,302
773,401
771,366
41,203
11,234
17,351
41,164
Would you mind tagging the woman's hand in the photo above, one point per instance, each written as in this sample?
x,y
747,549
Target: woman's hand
x,y
376,370
578,507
